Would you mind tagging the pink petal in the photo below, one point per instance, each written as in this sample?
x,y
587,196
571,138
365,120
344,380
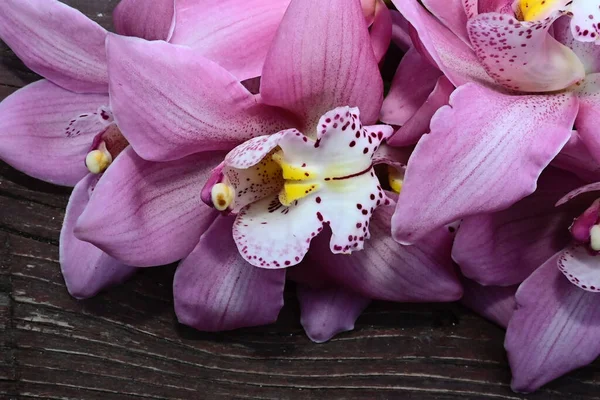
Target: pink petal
x,y
496,303
381,30
386,270
87,269
169,102
236,34
413,82
581,229
453,56
521,55
576,158
581,267
592,187
326,312
56,41
588,53
418,124
554,330
150,20
505,247
400,31
589,112
484,153
145,213
500,6
216,290
36,135
452,14
322,58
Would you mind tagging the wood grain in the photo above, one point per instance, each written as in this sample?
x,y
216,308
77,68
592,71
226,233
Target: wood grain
x,y
126,343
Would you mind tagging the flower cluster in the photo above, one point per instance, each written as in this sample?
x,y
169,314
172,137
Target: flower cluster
x,y
251,142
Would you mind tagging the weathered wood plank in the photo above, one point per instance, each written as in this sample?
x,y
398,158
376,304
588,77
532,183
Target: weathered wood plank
x,y
127,344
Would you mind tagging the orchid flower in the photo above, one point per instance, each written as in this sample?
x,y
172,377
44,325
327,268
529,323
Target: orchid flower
x,y
554,328
320,83
519,92
67,122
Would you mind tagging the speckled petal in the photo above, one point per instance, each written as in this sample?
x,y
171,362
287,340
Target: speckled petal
x,y
522,55
252,172
587,52
581,267
485,152
252,151
270,235
586,17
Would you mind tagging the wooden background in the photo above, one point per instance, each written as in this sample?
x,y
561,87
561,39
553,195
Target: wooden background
x,y
126,343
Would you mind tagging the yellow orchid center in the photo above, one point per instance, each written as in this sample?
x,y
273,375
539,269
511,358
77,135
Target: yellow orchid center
x,y
299,181
395,179
97,161
535,10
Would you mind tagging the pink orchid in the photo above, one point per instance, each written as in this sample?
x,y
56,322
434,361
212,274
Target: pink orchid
x,y
68,116
554,328
496,136
320,78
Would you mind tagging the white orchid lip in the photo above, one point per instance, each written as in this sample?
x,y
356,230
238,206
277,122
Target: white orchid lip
x,y
286,187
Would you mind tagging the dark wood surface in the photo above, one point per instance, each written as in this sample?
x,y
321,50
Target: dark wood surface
x,y
126,343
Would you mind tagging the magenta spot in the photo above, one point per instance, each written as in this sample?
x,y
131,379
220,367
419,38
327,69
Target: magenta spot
x,y
320,216
318,199
359,206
